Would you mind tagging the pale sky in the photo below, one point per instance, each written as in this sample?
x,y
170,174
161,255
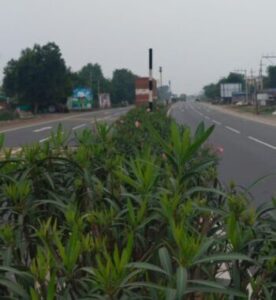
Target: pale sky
x,y
196,41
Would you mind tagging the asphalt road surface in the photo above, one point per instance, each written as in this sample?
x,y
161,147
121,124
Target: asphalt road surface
x,y
248,148
17,136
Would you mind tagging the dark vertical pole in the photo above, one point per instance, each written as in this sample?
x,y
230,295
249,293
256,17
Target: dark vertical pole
x,y
150,80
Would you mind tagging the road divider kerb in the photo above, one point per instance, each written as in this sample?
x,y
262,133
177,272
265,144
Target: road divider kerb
x,y
169,112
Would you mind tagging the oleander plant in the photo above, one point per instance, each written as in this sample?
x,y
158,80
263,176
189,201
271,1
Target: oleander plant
x,y
132,210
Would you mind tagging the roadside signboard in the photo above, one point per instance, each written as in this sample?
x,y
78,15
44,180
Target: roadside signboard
x,y
81,99
228,89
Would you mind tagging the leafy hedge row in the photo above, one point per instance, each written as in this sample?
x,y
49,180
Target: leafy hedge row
x,y
135,211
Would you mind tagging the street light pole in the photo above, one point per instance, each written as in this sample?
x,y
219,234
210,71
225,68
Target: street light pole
x,y
161,76
150,80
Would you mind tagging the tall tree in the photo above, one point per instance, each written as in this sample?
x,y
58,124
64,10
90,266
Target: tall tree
x,y
212,91
38,77
271,81
91,76
123,86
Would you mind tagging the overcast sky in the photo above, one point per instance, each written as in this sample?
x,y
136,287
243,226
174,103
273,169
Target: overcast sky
x,y
196,41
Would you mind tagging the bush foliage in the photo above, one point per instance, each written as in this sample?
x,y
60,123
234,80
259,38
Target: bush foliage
x,y
135,211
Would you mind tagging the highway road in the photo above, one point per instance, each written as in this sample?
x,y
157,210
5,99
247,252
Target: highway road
x,y
17,136
248,147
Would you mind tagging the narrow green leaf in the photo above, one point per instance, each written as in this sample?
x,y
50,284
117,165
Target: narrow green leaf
x,y
165,260
181,282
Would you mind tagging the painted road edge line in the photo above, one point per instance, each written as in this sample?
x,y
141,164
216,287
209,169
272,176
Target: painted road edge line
x,y
261,142
232,129
43,129
79,126
169,111
216,122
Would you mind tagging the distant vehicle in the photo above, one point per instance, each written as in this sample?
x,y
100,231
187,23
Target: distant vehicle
x,y
197,100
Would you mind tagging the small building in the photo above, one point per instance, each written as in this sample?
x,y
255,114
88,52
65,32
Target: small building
x,y
267,97
239,97
3,102
142,90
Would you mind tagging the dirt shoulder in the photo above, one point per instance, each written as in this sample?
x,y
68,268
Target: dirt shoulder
x,y
236,111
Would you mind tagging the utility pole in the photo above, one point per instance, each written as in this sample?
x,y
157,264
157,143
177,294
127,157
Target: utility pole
x,y
261,76
170,89
150,80
99,92
244,72
255,100
246,87
161,76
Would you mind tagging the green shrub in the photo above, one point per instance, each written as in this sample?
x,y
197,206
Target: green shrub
x,y
6,115
134,212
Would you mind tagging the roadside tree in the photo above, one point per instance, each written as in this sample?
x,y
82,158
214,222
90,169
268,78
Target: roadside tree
x,y
38,78
123,86
91,76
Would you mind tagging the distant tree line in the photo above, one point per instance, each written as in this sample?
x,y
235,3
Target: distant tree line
x,y
40,77
212,91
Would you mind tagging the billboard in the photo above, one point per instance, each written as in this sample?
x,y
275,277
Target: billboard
x,y
228,89
81,99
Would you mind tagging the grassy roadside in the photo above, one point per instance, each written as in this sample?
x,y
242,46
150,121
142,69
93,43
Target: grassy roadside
x,y
135,211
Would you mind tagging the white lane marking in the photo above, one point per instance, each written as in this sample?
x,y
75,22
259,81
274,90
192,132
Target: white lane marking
x,y
232,129
44,140
206,117
79,126
42,129
261,142
216,122
198,112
